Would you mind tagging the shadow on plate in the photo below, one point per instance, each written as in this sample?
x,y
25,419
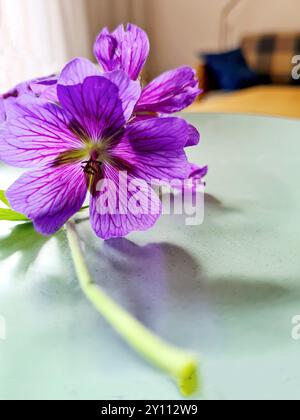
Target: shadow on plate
x,y
167,289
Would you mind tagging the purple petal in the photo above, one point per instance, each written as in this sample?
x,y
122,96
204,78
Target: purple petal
x,y
35,87
45,88
97,105
35,133
198,172
49,196
195,178
129,91
19,90
193,136
170,92
11,96
76,71
125,50
2,111
155,148
122,217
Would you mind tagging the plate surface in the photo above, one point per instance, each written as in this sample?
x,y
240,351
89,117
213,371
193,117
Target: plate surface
x,y
227,289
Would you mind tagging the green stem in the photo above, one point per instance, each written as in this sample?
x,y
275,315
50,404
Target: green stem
x,y
179,364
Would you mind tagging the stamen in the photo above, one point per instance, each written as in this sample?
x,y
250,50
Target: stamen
x,y
93,171
91,166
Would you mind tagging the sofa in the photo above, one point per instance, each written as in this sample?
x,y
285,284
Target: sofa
x,y
268,55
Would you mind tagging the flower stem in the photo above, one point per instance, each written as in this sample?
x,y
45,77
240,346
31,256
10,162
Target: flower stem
x,y
180,365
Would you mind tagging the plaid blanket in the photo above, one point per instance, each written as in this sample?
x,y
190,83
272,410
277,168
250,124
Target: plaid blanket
x,y
272,55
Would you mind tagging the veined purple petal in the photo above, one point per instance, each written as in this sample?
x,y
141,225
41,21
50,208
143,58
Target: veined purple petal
x,y
80,68
193,136
49,196
11,96
19,90
122,49
171,92
34,87
2,111
136,207
155,148
97,106
45,88
197,172
129,91
195,178
10,108
76,71
35,133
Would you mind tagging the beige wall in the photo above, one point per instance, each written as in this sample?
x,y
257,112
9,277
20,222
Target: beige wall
x,y
179,29
264,16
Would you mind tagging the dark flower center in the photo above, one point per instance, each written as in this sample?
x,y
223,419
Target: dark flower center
x,y
91,167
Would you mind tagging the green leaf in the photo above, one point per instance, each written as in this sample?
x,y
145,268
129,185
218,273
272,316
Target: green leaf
x,y
3,198
9,214
12,216
84,208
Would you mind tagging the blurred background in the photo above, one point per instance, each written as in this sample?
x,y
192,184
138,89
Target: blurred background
x,y
38,36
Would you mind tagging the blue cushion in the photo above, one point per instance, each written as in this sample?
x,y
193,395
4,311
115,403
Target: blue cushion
x,y
230,71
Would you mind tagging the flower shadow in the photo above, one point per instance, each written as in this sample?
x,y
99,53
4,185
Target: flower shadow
x,y
160,284
215,205
167,289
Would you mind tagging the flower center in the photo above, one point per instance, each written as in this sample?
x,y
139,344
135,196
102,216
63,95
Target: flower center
x,y
91,156
92,167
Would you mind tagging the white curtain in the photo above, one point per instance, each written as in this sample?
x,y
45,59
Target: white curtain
x,y
38,36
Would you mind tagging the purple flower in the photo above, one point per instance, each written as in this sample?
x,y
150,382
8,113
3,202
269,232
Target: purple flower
x,y
84,140
128,50
170,92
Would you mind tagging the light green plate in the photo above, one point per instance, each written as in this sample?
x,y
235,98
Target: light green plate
x,y
227,289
